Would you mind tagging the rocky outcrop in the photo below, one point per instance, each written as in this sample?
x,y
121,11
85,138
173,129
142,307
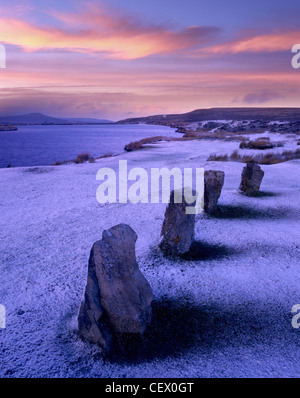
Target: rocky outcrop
x,y
252,176
213,184
118,297
178,228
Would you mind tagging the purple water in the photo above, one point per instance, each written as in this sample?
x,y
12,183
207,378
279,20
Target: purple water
x,y
44,145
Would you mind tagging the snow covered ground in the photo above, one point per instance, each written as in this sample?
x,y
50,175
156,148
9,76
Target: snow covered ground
x,y
223,312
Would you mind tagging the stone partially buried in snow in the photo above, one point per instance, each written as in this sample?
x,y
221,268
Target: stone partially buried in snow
x,y
178,228
213,184
252,176
118,297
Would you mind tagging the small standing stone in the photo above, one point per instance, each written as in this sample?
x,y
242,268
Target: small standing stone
x,y
252,176
213,184
178,228
118,297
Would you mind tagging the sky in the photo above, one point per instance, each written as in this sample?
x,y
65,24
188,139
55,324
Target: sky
x,y
116,59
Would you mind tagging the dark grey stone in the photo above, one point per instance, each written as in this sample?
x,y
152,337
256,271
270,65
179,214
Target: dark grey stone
x,y
252,176
213,184
178,228
118,297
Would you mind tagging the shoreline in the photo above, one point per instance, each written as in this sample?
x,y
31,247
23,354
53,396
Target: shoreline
x,y
188,134
110,141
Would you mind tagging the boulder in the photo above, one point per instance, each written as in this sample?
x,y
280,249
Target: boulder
x,y
118,297
252,176
178,228
213,184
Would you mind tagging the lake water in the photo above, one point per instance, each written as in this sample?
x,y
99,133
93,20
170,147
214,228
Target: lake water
x,y
44,145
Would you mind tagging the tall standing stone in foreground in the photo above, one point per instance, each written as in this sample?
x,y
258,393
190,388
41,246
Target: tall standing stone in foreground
x,y
213,184
118,297
178,228
252,176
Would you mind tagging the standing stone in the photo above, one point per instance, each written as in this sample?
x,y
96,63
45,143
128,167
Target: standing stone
x,y
118,297
178,228
252,176
213,184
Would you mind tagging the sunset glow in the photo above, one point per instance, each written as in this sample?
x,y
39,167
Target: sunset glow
x,y
115,59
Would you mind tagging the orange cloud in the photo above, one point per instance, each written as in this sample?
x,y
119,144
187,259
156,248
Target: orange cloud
x,y
96,30
270,42
64,82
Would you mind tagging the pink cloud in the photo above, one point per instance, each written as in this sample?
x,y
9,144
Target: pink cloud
x,y
65,69
269,42
99,30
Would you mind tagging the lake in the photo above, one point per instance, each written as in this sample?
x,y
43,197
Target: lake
x,y
44,145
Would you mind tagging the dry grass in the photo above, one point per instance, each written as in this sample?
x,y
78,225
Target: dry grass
x,y
134,146
84,157
235,155
218,158
260,143
216,135
188,136
266,159
81,158
60,163
106,155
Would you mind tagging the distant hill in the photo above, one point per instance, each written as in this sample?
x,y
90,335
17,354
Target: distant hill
x,y
39,118
89,120
31,118
266,114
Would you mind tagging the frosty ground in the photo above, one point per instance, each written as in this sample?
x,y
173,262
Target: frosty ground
x,y
223,312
